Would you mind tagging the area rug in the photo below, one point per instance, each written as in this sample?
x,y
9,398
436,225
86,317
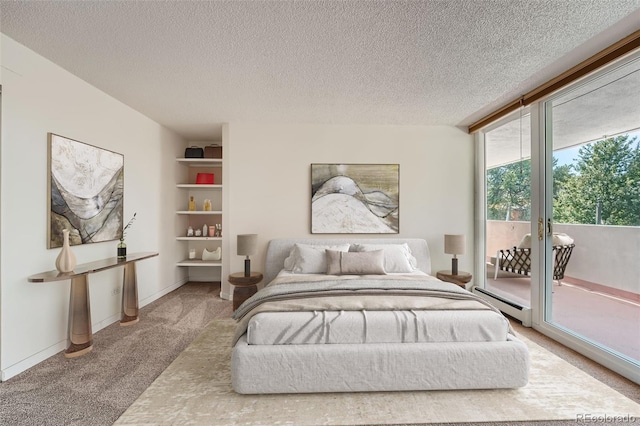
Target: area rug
x,y
196,389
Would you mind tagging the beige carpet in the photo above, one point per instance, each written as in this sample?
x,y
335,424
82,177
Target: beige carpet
x,y
196,389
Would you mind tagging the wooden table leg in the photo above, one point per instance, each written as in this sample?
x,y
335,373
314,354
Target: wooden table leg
x,y
240,294
129,295
80,334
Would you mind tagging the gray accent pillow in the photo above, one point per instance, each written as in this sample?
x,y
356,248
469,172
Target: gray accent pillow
x,y
355,263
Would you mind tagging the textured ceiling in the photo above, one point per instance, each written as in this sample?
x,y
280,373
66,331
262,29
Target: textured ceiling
x,y
192,65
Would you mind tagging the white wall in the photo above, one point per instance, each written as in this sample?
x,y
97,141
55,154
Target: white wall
x,y
40,97
270,191
606,255
267,191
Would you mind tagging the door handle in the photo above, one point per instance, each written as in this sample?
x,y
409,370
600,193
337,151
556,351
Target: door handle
x,y
549,228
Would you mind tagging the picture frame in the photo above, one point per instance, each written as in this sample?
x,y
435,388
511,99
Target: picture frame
x,y
355,198
85,192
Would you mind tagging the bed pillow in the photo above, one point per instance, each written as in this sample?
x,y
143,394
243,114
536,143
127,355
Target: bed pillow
x,y
310,258
525,242
559,239
355,263
397,257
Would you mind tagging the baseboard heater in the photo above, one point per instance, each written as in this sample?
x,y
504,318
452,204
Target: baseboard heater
x,y
508,307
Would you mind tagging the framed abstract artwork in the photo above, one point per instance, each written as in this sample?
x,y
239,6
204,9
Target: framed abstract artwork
x,y
86,192
355,198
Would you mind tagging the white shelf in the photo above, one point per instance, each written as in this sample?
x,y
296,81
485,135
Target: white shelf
x,y
214,191
198,262
199,212
200,162
199,186
199,238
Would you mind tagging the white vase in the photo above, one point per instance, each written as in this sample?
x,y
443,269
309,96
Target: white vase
x,y
66,260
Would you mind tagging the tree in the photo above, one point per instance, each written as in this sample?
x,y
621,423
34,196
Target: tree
x,y
561,174
509,191
607,171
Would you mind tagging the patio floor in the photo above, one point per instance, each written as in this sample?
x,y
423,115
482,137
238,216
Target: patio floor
x,y
610,320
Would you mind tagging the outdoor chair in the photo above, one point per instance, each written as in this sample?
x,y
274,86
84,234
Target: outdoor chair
x,y
518,259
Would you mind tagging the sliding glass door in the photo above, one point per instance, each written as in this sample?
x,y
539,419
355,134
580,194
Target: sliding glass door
x,y
507,175
592,202
559,216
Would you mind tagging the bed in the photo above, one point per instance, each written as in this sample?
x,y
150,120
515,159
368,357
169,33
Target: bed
x,y
361,315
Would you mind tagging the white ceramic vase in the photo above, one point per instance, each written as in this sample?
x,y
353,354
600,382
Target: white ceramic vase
x,y
66,260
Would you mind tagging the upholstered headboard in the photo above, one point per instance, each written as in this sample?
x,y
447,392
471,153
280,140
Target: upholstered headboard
x,y
278,250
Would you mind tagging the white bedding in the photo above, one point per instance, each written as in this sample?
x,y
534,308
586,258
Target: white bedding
x,y
375,326
272,352
331,327
285,273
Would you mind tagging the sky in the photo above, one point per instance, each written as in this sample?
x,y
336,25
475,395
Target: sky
x,y
569,155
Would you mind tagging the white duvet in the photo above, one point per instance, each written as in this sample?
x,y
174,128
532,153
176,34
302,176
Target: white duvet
x,y
356,319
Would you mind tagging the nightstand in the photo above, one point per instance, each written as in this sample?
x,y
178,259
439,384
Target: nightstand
x,y
461,279
244,287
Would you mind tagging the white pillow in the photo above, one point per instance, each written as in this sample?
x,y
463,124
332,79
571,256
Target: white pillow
x,y
525,242
310,258
397,257
559,239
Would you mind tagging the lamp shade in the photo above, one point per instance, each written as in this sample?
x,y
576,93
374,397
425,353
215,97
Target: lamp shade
x,y
454,244
247,244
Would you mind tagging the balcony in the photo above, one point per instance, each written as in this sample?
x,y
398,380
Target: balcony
x,y
599,298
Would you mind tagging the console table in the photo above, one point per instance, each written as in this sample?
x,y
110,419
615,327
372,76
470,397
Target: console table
x,y
80,337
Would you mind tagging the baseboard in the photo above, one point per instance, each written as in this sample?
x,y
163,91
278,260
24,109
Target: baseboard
x,y
225,295
521,313
164,291
34,359
58,347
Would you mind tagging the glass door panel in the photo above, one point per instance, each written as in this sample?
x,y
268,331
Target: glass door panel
x,y
593,131
508,209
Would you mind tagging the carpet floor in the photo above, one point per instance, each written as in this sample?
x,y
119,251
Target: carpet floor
x,y
196,390
97,388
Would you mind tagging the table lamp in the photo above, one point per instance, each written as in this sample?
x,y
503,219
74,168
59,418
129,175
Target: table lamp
x,y
247,244
454,244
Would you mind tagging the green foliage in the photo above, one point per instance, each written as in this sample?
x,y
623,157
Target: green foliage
x,y
607,170
509,192
561,174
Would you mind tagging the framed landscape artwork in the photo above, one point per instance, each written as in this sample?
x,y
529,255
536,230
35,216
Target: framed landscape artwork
x,y
86,192
355,198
